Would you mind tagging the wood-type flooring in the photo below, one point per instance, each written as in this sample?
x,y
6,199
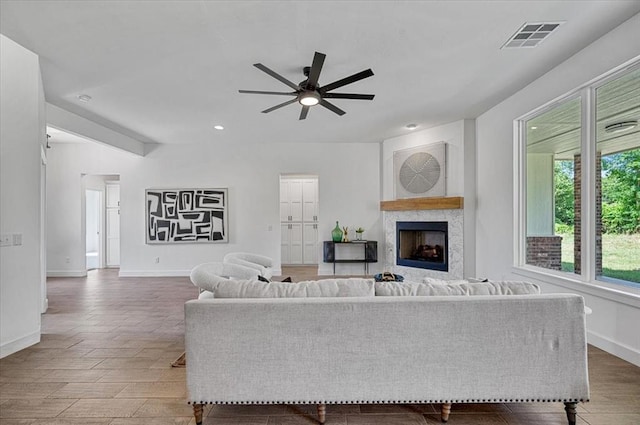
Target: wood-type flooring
x,y
108,343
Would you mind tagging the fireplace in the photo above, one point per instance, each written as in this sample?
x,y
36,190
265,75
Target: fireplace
x,y
423,244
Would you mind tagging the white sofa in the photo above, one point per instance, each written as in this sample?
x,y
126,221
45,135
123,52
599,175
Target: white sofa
x,y
261,263
386,349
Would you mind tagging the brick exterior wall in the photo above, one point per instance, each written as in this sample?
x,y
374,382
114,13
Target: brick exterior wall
x,y
545,251
577,190
577,214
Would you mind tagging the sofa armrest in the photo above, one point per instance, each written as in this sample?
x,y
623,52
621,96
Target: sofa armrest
x,y
262,260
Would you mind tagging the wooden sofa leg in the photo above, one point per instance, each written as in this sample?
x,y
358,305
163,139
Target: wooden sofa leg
x,y
570,408
197,412
322,412
444,412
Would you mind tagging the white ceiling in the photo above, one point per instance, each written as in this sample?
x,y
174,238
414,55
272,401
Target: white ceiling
x,y
168,71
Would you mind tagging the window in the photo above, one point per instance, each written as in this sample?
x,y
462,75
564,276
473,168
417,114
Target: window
x,y
579,191
617,109
553,152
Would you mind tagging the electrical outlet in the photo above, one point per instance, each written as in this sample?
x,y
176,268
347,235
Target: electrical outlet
x,y
157,260
67,260
17,239
5,240
270,228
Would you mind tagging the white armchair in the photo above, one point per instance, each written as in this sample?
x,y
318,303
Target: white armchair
x,y
206,275
261,263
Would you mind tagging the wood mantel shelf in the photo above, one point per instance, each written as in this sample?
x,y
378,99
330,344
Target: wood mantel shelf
x,y
413,204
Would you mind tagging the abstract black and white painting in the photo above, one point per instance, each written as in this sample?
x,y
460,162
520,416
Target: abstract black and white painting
x,y
186,216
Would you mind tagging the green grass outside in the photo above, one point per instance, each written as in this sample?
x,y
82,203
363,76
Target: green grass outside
x,y
620,256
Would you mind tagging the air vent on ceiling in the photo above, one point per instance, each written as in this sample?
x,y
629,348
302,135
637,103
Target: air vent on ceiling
x,y
531,34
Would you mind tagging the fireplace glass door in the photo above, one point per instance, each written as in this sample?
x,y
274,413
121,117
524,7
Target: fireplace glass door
x,y
422,244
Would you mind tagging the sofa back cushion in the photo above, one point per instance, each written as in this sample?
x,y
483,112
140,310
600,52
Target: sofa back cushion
x,y
353,287
387,289
503,288
454,288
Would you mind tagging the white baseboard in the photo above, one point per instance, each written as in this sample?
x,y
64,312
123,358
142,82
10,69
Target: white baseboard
x,y
66,273
619,350
19,344
154,273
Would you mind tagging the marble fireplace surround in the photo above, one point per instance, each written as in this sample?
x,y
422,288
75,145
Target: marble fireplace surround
x,y
425,209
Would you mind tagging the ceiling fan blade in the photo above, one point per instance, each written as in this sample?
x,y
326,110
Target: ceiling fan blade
x,y
349,96
347,80
316,67
273,108
332,107
269,92
275,75
304,112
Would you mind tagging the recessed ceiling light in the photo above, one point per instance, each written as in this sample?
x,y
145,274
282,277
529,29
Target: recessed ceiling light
x,y
218,127
411,126
534,128
84,97
620,126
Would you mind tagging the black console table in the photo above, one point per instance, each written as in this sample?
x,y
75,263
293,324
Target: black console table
x,y
370,253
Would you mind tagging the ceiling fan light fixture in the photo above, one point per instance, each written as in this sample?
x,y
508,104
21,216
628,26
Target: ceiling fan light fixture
x,y
618,127
411,126
309,98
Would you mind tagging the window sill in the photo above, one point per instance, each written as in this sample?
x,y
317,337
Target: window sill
x,y
611,291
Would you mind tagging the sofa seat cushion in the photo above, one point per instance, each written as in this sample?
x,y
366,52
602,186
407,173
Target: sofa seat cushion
x,y
455,288
353,287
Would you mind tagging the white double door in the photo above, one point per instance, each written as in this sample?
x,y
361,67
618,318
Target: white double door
x,y
299,220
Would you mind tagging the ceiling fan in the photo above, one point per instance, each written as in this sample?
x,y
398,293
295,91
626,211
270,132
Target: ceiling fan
x,y
308,93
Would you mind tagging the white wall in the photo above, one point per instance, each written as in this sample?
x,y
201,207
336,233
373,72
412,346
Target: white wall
x,y
460,176
349,191
22,133
452,134
67,164
611,324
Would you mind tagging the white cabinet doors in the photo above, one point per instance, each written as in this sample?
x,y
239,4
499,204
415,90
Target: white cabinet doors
x,y
291,200
310,200
310,241
113,195
291,245
299,220
113,225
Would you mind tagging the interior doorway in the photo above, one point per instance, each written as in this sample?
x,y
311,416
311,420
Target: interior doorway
x,y
101,221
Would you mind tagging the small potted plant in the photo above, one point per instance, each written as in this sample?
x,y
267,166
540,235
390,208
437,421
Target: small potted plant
x,y
359,232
